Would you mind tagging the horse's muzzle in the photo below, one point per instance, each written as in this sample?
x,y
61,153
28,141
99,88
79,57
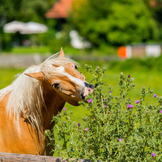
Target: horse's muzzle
x,y
87,88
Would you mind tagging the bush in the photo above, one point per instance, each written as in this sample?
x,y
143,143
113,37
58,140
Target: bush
x,y
5,42
110,24
136,64
116,128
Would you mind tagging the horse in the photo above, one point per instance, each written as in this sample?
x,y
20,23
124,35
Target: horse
x,y
28,105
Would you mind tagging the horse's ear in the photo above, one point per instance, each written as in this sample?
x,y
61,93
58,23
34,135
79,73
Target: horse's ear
x,y
38,76
61,53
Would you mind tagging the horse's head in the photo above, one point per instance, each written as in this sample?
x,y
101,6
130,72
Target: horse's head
x,y
62,75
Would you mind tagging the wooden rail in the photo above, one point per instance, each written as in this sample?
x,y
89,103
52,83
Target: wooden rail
x,y
10,157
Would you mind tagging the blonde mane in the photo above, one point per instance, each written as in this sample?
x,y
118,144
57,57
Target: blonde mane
x,y
26,94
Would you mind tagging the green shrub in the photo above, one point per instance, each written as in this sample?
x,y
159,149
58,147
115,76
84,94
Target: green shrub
x,y
116,128
5,42
110,24
136,64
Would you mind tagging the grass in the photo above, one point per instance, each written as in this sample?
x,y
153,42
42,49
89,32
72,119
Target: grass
x,y
7,76
147,79
30,50
68,50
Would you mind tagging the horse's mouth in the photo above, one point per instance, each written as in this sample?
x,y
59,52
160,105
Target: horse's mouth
x,y
86,91
82,97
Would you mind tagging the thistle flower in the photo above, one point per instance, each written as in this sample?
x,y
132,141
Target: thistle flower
x,y
155,95
110,92
64,108
79,124
129,76
160,111
137,101
153,154
90,100
105,106
130,106
120,139
86,129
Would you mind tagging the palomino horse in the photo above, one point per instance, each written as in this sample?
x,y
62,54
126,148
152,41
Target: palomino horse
x,y
29,103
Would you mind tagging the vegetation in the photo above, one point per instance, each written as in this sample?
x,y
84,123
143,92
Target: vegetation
x,y
24,10
116,22
30,50
20,10
139,69
115,128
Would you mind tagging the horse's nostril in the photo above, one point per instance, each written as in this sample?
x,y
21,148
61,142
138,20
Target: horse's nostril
x,y
86,84
89,85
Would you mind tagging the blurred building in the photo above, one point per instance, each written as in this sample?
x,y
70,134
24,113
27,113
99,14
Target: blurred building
x,y
139,51
59,11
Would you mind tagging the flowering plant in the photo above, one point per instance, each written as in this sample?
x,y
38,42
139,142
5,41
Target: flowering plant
x,y
116,128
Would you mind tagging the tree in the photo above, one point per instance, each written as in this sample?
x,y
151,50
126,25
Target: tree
x,y
114,22
156,9
22,10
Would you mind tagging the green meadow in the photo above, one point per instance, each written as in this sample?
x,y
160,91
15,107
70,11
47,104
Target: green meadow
x,y
148,78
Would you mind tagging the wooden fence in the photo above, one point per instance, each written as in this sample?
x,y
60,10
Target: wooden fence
x,y
10,157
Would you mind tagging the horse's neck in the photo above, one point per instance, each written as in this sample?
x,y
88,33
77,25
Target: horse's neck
x,y
54,104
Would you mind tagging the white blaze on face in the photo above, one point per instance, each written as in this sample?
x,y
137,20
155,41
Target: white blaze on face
x,y
79,82
73,79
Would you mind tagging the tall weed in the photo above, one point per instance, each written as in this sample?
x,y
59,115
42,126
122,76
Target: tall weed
x,y
116,128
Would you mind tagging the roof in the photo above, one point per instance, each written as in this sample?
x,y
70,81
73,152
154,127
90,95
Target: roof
x,y
60,9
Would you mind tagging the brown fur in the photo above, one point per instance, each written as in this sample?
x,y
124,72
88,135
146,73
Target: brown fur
x,y
30,140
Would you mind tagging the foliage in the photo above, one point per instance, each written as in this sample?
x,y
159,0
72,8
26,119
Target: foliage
x,y
135,64
116,22
116,128
61,39
156,7
31,50
6,39
23,10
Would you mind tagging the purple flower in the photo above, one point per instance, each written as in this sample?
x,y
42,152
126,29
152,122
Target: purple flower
x,y
153,154
79,124
129,76
137,101
129,106
120,139
155,95
96,66
160,111
105,99
86,129
110,92
64,108
105,106
120,93
90,100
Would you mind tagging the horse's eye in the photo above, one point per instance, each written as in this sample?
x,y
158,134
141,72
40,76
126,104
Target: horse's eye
x,y
55,85
76,67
